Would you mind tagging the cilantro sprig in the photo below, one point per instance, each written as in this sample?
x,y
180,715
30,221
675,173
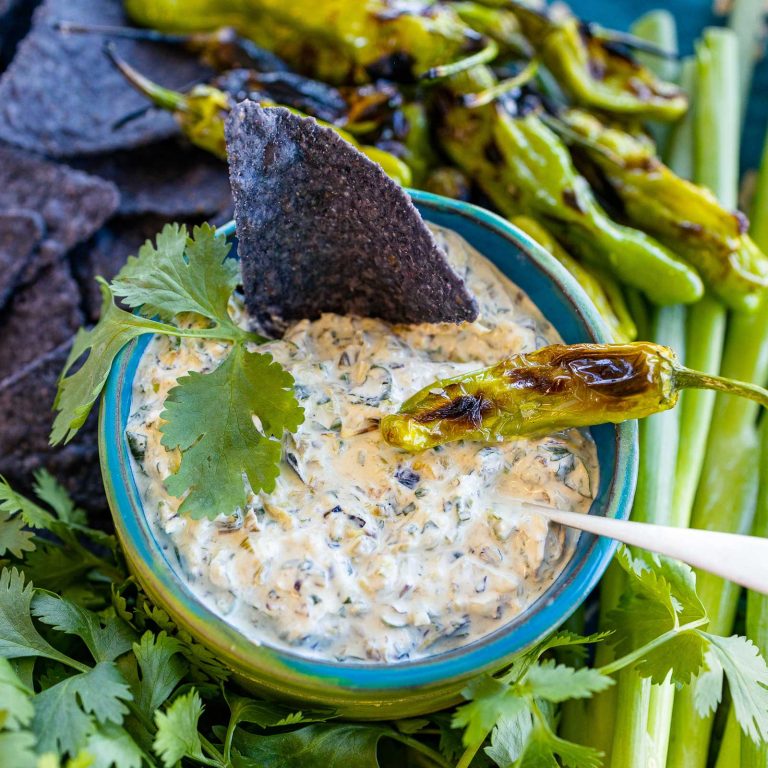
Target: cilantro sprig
x,y
211,418
659,627
92,673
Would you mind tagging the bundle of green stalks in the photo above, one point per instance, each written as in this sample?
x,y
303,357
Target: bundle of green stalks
x,y
703,466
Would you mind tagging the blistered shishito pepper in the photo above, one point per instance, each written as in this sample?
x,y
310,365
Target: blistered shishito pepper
x,y
498,23
687,218
554,388
596,72
407,134
601,288
202,112
361,109
337,41
221,49
448,181
524,168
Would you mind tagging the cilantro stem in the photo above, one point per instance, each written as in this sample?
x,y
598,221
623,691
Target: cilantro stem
x,y
469,753
223,333
66,660
638,653
418,746
228,739
218,759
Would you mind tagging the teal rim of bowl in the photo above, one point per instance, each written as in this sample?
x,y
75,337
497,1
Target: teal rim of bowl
x,y
491,651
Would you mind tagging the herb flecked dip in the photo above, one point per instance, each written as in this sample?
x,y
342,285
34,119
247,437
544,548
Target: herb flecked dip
x,y
364,552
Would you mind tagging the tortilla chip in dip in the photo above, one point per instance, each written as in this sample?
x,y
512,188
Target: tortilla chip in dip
x,y
323,229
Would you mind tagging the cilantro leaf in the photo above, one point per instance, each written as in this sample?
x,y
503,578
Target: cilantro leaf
x,y
78,391
558,640
450,743
162,669
110,745
568,640
12,503
67,712
18,636
177,734
543,746
489,700
509,737
54,567
204,663
337,745
747,675
179,274
557,683
17,750
668,581
16,708
660,599
14,538
270,714
209,417
49,490
708,685
106,639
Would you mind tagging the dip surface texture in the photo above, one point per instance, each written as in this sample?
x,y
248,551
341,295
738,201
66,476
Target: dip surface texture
x,y
364,552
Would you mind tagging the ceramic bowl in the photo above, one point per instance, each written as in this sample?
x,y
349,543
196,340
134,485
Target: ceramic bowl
x,y
410,687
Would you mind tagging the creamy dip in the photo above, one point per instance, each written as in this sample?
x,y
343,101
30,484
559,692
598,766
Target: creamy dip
x,y
365,552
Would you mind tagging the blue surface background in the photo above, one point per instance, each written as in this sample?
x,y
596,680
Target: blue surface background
x,y
691,17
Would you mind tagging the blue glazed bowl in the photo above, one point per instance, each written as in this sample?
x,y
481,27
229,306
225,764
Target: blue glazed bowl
x,y
411,687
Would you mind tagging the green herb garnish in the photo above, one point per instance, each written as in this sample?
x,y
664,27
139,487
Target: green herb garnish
x,y
209,417
93,671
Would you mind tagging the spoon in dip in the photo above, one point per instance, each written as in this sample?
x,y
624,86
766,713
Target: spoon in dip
x,y
740,559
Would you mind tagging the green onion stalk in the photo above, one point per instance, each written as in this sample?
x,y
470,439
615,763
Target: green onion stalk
x,y
644,711
713,66
659,27
729,753
725,497
643,717
622,711
756,755
716,131
746,20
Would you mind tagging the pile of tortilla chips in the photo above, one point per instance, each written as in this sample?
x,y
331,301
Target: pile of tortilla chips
x,y
78,194
88,173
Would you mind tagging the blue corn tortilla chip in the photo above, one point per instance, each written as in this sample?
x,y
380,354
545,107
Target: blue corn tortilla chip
x,y
323,229
15,18
26,399
62,97
39,317
72,204
164,179
20,234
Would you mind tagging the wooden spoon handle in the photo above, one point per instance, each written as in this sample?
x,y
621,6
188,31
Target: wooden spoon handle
x,y
740,559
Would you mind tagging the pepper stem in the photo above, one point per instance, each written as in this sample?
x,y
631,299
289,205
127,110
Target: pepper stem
x,y
685,378
161,97
482,98
483,56
128,33
631,41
